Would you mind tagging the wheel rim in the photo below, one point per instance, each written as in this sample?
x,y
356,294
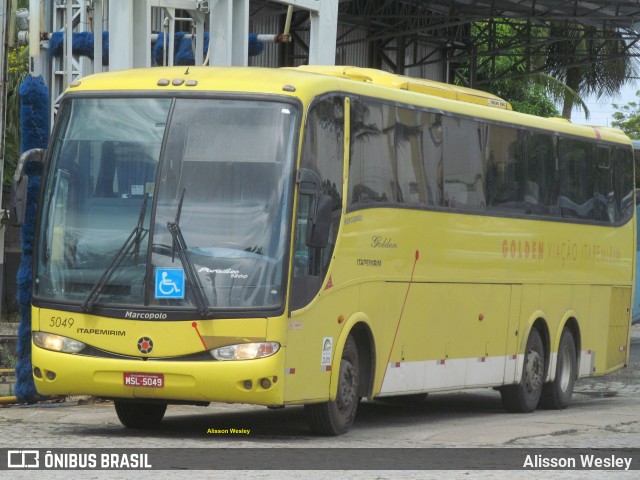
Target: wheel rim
x,y
534,371
347,387
564,358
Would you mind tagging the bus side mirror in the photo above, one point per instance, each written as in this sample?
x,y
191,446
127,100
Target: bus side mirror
x,y
320,208
19,183
319,223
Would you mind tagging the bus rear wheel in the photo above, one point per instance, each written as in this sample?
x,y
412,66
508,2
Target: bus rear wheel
x,y
557,395
336,417
140,415
524,396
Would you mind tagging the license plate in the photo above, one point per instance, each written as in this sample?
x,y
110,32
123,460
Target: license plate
x,y
146,380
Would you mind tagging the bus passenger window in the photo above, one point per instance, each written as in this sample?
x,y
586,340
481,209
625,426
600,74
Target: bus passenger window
x,y
432,156
623,183
540,176
464,143
504,178
576,179
603,198
412,189
372,157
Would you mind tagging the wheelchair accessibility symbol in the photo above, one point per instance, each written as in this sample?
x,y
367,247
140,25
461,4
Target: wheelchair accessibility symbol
x,y
170,283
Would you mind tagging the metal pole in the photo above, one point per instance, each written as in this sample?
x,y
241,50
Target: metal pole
x,y
34,38
4,55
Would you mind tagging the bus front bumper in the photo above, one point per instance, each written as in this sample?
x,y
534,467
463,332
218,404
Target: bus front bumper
x,y
257,381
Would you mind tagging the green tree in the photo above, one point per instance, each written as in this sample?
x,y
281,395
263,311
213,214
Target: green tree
x,y
564,61
505,69
526,96
17,71
590,61
627,118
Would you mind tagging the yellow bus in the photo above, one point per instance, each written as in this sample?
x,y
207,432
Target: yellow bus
x,y
318,235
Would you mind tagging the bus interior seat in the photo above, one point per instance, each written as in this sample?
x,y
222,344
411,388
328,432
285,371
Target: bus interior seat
x,y
116,198
125,170
230,182
364,194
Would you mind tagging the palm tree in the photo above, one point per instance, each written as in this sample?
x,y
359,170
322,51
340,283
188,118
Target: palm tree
x,y
564,62
590,61
510,69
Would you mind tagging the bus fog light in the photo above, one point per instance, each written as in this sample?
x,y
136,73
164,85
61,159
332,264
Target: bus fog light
x,y
37,372
51,375
57,343
245,351
265,383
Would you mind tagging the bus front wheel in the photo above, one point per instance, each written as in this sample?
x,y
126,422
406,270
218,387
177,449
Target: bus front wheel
x,y
525,395
336,417
140,415
557,395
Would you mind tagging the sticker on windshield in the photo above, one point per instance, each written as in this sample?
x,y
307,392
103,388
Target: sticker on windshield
x,y
170,283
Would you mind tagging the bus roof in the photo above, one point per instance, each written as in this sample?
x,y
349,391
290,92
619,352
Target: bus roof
x,y
419,85
306,82
188,78
244,79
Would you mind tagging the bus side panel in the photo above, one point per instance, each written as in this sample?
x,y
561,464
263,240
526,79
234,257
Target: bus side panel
x,y
448,336
555,301
304,379
312,339
594,332
618,331
605,345
514,329
602,315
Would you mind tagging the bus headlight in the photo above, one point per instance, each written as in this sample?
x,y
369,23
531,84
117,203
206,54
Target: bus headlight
x,y
57,343
245,351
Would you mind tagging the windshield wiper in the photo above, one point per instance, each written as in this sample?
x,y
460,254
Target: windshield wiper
x,y
180,246
134,239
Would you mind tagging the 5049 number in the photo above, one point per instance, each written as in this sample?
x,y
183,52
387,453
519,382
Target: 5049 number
x,y
61,322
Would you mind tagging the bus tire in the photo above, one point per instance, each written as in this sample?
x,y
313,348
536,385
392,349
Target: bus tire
x,y
336,417
525,395
557,395
139,415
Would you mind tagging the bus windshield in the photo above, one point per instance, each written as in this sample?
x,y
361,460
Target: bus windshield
x,y
125,171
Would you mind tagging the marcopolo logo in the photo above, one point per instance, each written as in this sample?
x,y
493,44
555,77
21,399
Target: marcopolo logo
x,y
145,315
23,459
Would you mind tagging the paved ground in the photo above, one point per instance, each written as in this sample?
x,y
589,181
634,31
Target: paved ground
x,y
605,413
